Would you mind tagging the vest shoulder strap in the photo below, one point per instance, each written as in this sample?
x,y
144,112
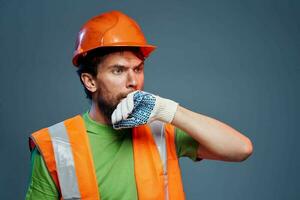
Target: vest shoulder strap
x,y
175,185
66,151
148,165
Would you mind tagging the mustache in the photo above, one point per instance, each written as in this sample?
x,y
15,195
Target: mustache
x,y
123,95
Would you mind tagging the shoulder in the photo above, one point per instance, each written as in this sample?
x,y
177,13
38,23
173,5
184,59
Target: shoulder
x,y
186,145
44,134
71,120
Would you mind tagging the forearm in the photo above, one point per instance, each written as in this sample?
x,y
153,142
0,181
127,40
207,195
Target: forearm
x,y
216,139
219,140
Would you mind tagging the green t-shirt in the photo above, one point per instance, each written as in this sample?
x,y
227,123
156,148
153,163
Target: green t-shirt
x,y
113,161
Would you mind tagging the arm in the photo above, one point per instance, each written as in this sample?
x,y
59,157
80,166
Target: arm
x,y
41,185
217,140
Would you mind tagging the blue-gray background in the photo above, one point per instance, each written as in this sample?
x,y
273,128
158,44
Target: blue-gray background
x,y
236,61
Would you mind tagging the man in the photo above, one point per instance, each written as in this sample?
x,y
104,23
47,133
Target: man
x,y
128,144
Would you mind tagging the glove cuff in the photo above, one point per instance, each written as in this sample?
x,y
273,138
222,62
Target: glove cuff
x,y
165,109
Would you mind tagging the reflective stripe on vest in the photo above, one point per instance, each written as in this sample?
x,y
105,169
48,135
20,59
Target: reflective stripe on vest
x,y
64,161
150,173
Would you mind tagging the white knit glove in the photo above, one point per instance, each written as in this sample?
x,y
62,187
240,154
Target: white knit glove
x,y
140,107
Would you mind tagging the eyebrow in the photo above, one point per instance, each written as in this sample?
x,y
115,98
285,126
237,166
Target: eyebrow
x,y
123,66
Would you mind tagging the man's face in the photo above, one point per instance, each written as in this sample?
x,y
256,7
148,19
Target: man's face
x,y
118,74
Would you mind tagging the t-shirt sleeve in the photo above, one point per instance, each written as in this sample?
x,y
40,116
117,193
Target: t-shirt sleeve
x,y
41,185
186,146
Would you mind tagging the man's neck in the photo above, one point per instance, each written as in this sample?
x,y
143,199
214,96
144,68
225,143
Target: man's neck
x,y
96,115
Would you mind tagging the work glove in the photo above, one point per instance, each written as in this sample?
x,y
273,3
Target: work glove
x,y
140,108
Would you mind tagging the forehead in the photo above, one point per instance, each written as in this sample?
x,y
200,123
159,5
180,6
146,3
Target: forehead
x,y
124,58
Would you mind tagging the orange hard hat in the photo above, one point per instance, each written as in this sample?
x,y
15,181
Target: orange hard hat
x,y
111,29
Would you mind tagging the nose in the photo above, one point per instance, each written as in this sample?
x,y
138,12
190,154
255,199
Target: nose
x,y
131,80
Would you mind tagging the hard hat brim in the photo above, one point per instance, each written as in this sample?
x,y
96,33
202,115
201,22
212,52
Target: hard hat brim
x,y
145,49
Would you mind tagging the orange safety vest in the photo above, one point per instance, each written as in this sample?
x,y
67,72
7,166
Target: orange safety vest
x,y
67,154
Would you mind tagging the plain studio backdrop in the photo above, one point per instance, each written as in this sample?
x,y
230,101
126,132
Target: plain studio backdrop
x,y
236,61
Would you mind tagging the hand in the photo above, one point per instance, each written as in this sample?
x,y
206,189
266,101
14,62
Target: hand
x,y
140,108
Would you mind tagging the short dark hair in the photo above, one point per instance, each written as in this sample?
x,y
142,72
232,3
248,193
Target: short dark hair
x,y
90,62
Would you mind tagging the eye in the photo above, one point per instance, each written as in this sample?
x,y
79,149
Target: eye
x,y
139,69
117,71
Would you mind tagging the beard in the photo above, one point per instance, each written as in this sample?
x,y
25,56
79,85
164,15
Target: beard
x,y
108,103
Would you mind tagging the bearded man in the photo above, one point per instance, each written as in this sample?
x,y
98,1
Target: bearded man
x,y
127,145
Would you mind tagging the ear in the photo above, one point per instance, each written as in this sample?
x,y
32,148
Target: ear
x,y
89,82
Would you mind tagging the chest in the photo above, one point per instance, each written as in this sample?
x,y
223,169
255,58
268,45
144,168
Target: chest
x,y
114,166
